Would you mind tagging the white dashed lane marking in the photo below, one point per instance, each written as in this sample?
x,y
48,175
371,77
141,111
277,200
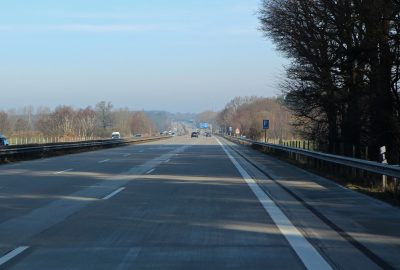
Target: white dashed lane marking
x,y
150,171
64,171
112,194
13,253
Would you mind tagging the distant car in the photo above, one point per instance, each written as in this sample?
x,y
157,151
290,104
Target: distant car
x,y
115,135
208,134
194,134
138,135
3,141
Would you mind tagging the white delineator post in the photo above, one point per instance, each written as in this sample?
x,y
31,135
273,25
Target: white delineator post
x,y
382,156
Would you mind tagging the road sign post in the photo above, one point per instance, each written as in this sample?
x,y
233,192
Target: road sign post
x,y
265,127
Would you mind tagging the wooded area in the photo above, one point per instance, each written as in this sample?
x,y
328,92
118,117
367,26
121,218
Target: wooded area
x,y
66,121
247,114
343,80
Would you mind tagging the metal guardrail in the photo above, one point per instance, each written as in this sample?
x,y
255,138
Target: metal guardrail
x,y
371,166
14,151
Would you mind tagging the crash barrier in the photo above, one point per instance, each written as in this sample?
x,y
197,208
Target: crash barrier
x,y
28,151
332,164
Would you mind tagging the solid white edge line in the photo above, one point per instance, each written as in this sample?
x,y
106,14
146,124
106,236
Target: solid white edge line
x,y
112,194
12,254
67,170
103,161
150,171
306,252
168,160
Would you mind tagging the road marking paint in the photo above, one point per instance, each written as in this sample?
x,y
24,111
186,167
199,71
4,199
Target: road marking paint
x,y
306,252
168,160
64,171
129,258
112,194
103,161
150,171
141,151
12,254
127,155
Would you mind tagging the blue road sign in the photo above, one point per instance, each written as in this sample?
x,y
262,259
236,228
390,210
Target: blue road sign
x,y
265,124
204,125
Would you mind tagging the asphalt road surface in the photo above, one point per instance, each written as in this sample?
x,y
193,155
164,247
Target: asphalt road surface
x,y
187,203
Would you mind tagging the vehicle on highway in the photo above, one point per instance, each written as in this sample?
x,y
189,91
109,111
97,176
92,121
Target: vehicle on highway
x,y
3,141
115,135
194,134
208,134
137,135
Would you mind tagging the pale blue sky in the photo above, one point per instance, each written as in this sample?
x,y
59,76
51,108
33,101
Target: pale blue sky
x,y
175,55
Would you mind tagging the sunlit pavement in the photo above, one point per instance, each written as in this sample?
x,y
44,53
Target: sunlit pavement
x,y
180,204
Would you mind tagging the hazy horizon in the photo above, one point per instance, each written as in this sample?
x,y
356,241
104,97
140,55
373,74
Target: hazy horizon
x,y
175,56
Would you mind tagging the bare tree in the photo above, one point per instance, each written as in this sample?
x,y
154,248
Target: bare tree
x,y
104,114
140,123
248,116
21,126
5,125
122,121
85,122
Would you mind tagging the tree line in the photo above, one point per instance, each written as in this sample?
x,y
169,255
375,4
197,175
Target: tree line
x,y
343,80
247,115
66,121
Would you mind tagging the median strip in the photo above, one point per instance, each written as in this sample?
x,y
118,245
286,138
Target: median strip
x,y
13,253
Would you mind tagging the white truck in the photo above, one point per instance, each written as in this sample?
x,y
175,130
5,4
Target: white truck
x,y
115,135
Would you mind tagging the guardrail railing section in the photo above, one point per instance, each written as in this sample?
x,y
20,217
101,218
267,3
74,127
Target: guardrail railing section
x,y
348,170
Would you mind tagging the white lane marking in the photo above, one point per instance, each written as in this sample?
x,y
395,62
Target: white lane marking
x,y
12,254
112,194
127,155
60,172
168,160
306,252
150,171
103,161
141,151
129,258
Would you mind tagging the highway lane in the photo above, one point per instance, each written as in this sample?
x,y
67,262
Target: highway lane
x,y
177,204
27,186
